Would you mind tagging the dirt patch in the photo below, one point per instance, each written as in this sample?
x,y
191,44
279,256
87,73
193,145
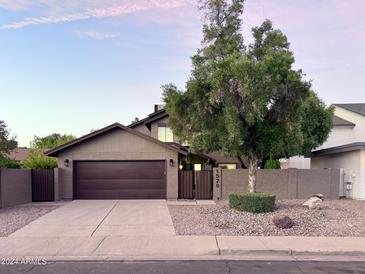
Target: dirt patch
x,y
335,218
14,218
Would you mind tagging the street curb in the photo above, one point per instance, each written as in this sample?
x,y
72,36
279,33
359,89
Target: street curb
x,y
256,252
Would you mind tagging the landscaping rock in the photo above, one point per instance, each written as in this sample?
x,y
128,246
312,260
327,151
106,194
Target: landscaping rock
x,y
319,195
313,203
337,218
283,222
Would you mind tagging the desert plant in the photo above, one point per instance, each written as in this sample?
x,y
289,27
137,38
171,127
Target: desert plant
x,y
255,202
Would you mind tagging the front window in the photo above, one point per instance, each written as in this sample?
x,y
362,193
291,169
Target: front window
x,y
165,134
228,166
197,167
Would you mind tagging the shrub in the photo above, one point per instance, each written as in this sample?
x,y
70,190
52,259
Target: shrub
x,y
256,202
37,159
8,163
272,164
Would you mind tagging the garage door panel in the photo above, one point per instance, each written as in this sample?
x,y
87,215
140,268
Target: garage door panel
x,y
120,180
121,184
120,174
115,194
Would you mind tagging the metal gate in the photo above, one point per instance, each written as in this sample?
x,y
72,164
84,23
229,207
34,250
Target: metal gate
x,y
42,185
196,184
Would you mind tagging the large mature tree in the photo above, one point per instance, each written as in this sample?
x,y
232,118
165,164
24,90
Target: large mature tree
x,y
7,143
51,141
36,157
247,101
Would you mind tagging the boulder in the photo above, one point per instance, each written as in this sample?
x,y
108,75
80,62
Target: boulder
x,y
313,203
283,222
319,195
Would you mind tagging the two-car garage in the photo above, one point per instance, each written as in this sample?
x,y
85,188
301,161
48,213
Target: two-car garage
x,y
117,162
119,180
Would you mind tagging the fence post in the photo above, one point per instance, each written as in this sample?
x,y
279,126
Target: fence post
x,y
217,184
56,185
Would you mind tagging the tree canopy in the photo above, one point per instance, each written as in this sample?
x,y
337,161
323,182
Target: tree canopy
x,y
7,143
246,100
51,141
36,157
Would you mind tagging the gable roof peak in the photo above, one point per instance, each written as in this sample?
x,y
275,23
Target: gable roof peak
x,y
358,108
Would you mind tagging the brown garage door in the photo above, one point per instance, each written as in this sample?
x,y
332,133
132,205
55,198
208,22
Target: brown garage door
x,y
120,180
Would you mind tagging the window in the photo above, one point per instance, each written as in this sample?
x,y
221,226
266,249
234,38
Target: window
x,y
165,134
228,166
197,167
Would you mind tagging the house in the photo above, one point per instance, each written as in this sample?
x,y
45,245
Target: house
x,y
139,161
19,154
345,148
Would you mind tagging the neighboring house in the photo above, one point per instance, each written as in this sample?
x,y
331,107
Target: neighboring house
x,y
345,148
19,154
139,161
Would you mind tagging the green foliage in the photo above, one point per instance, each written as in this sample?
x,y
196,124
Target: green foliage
x,y
6,143
37,159
8,163
51,141
272,164
257,202
247,101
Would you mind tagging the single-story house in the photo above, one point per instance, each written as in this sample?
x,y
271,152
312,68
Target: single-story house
x,y
345,148
19,154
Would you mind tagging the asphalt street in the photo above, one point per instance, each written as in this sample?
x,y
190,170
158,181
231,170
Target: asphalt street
x,y
189,267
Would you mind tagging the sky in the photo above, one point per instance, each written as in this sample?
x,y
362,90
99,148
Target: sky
x,y
75,65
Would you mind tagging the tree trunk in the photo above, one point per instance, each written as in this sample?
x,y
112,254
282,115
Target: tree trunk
x,y
252,171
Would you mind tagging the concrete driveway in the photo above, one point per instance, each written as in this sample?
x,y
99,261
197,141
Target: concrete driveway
x,y
103,218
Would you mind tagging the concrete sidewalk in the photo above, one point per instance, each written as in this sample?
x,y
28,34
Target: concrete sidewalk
x,y
176,247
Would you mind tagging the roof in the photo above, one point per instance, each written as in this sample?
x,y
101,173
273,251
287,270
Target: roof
x,y
338,149
157,115
357,108
54,152
19,154
340,122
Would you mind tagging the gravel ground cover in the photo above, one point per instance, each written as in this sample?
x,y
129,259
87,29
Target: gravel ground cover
x,y
14,218
335,218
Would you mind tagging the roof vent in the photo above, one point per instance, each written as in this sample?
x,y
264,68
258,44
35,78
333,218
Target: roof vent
x,y
159,107
135,120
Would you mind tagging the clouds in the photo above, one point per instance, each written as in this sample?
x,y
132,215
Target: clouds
x,y
96,35
60,10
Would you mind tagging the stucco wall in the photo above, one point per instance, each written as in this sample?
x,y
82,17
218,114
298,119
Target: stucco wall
x,y
116,145
341,135
285,184
16,187
353,164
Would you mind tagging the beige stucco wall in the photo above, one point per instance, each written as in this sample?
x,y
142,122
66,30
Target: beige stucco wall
x,y
285,184
341,135
354,165
15,187
117,145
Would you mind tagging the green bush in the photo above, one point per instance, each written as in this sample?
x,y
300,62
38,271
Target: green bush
x,y
37,159
256,202
8,163
272,164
